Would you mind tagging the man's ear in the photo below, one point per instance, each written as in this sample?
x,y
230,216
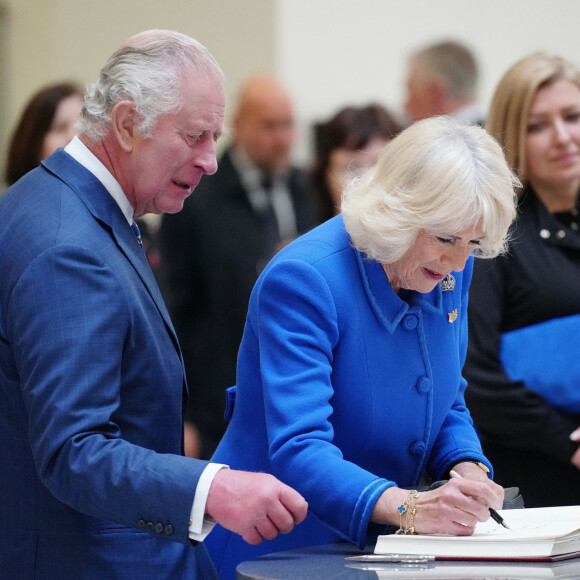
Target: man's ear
x,y
124,124
438,94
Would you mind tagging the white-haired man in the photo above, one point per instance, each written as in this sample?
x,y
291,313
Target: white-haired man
x,y
92,384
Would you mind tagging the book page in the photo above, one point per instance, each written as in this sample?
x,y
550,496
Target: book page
x,y
534,523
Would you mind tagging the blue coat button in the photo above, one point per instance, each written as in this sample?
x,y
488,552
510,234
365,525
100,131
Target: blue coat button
x,y
418,448
141,524
424,385
410,322
158,528
150,526
168,530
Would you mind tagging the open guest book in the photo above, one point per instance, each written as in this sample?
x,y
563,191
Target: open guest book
x,y
539,534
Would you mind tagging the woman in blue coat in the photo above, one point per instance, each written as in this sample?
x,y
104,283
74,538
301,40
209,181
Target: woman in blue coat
x,y
349,385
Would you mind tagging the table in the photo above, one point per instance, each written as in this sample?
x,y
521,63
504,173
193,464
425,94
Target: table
x,y
328,562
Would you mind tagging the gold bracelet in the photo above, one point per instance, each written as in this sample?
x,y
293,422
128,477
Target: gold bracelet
x,y
407,511
483,467
479,464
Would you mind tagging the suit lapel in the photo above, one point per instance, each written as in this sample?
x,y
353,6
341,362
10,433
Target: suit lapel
x,y
107,212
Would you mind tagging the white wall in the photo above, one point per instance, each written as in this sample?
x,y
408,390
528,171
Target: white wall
x,y
337,52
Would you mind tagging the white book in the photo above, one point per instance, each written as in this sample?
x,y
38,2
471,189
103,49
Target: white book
x,y
535,534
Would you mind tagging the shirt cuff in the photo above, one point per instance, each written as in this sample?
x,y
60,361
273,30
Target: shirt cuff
x,y
200,525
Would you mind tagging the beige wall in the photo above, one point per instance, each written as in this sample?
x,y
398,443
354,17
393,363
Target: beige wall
x,y
49,40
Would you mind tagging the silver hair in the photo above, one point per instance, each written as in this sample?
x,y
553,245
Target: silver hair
x,y
147,70
454,63
439,176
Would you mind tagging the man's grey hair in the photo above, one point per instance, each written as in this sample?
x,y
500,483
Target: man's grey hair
x,y
147,70
454,64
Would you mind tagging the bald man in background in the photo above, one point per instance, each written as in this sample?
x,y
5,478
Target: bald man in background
x,y
213,251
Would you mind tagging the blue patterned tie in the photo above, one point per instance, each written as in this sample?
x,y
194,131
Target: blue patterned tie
x,y
137,233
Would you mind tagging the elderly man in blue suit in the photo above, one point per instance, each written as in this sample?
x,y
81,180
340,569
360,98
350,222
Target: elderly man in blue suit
x,y
92,384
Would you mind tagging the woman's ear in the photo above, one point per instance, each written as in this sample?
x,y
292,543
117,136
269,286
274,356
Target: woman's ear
x,y
124,124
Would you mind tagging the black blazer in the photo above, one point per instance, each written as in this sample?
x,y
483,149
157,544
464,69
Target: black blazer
x,y
211,254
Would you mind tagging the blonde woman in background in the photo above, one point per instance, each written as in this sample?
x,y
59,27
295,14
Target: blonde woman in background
x,y
523,363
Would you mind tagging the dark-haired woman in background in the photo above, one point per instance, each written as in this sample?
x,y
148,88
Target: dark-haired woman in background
x,y
45,124
349,142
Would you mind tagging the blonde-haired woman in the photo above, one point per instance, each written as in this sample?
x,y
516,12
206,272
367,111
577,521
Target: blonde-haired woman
x,y
523,363
349,382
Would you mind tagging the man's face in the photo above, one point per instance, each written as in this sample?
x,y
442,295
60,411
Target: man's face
x,y
419,104
265,131
165,168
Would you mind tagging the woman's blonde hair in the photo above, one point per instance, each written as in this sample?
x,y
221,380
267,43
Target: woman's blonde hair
x,y
512,99
440,176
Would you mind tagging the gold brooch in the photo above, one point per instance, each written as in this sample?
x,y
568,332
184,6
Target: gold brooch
x,y
452,316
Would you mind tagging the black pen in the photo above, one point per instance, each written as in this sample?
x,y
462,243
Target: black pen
x,y
494,515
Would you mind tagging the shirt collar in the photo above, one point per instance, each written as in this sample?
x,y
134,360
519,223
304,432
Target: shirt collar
x,y
81,153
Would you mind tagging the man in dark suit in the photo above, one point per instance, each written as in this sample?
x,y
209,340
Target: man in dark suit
x,y
213,251
92,383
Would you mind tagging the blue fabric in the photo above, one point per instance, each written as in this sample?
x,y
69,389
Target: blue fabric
x,y
546,357
344,389
91,393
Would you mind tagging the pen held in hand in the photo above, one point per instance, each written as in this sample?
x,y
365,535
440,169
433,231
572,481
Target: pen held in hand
x,y
494,515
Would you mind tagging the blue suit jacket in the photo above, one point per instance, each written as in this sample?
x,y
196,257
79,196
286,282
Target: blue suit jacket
x,y
91,392
344,388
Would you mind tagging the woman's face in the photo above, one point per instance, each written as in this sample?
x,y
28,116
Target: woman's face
x,y
346,163
553,138
431,258
62,130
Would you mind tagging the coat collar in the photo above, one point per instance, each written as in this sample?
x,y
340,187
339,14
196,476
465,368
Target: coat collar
x,y
388,306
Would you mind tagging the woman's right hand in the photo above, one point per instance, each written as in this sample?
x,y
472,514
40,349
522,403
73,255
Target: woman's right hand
x,y
454,508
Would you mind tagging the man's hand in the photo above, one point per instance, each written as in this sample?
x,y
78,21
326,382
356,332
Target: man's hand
x,y
254,505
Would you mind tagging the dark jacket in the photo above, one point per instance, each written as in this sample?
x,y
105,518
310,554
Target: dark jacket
x,y
211,254
525,436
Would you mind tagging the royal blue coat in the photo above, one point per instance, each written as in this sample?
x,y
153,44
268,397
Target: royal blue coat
x,y
345,388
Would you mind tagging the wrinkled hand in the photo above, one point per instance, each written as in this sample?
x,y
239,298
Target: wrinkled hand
x,y
256,506
575,436
454,508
